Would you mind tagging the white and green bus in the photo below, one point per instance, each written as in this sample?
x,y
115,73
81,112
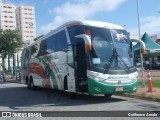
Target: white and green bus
x,y
82,57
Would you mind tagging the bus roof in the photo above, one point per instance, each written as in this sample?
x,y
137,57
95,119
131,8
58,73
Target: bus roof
x,y
96,24
81,22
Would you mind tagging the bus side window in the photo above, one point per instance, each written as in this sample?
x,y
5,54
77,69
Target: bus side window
x,y
73,31
34,50
25,58
61,41
51,44
70,56
42,48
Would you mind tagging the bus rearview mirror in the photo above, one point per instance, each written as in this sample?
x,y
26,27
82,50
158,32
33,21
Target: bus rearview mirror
x,y
87,41
142,45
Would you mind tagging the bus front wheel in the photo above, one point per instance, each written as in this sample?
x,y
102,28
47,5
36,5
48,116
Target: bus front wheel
x,y
107,95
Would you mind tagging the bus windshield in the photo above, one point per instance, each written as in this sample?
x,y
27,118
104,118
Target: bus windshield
x,y
111,50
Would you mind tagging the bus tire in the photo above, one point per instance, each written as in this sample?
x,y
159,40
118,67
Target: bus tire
x,y
72,95
65,83
107,95
28,84
32,84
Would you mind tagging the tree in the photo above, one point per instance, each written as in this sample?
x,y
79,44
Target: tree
x,y
10,40
35,39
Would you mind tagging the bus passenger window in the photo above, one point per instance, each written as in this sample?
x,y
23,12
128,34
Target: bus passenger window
x,y
43,48
70,58
73,31
51,44
61,41
34,50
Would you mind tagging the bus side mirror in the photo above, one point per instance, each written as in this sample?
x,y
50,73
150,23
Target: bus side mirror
x,y
87,41
142,45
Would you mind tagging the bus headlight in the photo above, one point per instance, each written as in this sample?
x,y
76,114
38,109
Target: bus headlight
x,y
99,79
134,88
134,79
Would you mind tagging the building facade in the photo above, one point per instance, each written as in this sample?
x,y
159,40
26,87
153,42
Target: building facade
x,y
7,16
25,22
21,18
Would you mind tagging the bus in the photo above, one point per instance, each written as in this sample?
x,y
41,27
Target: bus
x,y
88,57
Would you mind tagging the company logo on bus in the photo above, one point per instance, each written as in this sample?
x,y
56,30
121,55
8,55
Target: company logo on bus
x,y
118,77
119,82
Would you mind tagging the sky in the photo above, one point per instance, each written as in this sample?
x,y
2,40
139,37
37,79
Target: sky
x,y
53,13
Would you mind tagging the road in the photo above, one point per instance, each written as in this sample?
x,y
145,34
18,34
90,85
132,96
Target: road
x,y
15,96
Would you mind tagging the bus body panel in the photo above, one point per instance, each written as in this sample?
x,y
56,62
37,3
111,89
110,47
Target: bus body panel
x,y
99,83
51,70
96,87
71,80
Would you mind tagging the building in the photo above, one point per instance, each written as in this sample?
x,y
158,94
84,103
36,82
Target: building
x,y
7,16
25,21
21,18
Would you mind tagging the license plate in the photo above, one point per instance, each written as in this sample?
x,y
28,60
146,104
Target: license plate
x,y
119,89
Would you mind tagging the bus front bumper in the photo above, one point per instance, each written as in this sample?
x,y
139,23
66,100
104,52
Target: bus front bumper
x,y
96,87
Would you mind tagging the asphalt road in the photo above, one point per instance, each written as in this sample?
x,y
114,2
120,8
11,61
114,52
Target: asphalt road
x,y
16,97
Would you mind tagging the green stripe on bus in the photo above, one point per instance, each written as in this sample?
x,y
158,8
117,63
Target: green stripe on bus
x,y
96,87
53,78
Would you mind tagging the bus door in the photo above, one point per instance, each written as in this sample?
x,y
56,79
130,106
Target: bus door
x,y
81,67
70,82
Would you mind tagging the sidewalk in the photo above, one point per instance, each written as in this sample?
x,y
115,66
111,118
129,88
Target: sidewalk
x,y
142,91
9,78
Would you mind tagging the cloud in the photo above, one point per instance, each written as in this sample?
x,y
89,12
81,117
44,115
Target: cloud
x,y
149,24
17,3
79,9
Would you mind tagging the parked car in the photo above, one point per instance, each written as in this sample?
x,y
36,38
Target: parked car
x,y
155,65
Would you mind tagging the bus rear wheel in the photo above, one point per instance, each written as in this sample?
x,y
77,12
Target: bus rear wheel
x,y
28,84
32,84
72,95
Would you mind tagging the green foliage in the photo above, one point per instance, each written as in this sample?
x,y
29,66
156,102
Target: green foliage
x,y
35,39
155,83
10,40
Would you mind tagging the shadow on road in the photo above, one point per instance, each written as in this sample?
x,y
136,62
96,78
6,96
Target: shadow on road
x,y
17,95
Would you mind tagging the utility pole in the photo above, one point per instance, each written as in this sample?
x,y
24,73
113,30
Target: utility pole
x,y
139,32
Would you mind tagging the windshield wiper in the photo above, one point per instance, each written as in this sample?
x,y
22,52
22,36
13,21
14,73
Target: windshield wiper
x,y
115,57
126,66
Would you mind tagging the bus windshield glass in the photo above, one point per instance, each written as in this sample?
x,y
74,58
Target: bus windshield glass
x,y
111,50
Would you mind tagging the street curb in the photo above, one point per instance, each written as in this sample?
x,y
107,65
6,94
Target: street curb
x,y
141,96
13,81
